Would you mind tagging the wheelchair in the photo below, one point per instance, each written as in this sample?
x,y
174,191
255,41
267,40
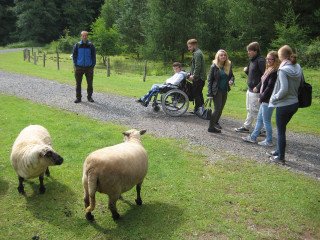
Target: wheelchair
x,y
173,99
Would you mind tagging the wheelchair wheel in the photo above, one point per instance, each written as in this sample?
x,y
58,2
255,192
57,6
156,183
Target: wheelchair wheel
x,y
175,102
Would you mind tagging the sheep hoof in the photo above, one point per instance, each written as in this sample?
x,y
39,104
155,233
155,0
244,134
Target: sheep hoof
x,y
89,217
139,201
21,190
42,190
115,216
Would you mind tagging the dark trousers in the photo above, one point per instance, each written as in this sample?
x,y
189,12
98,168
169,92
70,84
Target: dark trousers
x,y
197,93
78,73
219,101
283,117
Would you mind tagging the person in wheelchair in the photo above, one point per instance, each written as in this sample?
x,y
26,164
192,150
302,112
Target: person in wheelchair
x,y
174,81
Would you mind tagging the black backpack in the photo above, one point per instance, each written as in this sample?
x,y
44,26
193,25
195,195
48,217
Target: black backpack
x,y
304,94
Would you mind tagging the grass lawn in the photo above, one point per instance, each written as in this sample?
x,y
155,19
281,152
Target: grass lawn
x,y
185,197
305,120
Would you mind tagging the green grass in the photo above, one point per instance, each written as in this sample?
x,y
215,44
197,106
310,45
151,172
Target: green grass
x,y
126,84
185,197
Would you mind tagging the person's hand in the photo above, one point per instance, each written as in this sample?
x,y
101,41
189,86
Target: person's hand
x,y
255,90
191,77
230,82
245,69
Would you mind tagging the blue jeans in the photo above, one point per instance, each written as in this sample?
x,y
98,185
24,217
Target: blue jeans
x,y
154,90
283,117
263,119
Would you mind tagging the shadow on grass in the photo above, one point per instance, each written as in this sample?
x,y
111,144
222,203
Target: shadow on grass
x,y
4,186
55,205
152,220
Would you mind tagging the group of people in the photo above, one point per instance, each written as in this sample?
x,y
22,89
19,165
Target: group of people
x,y
273,82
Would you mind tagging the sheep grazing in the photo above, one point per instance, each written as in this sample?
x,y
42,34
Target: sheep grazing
x,y
31,155
114,170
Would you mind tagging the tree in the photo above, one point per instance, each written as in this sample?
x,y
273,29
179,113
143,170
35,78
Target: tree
x,y
7,19
168,27
106,40
289,32
37,20
78,15
130,24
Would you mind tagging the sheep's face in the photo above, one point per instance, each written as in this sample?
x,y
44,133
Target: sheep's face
x,y
133,134
52,157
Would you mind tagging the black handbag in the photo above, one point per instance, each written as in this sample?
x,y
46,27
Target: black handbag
x,y
205,111
304,94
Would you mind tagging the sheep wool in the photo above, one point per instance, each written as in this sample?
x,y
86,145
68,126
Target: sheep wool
x,y
114,170
32,153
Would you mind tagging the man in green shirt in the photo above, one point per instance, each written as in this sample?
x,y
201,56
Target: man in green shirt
x,y
198,73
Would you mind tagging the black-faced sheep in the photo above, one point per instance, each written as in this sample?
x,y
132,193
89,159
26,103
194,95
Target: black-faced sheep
x,y
114,170
31,155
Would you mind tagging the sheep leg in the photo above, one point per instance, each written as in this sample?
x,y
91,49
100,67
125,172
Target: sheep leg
x,y
42,189
47,172
138,200
113,207
21,187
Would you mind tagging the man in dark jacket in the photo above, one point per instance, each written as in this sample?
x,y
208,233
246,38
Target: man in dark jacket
x,y
84,60
255,70
198,73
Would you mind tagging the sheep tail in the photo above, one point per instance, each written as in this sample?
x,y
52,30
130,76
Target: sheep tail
x,y
92,181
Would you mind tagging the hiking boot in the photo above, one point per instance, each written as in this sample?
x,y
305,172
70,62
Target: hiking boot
x,y
249,139
272,153
265,143
214,130
277,160
242,130
139,100
77,100
145,104
90,99
218,126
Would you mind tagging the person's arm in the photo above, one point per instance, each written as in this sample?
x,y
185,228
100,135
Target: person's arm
x,y
75,54
262,65
269,88
283,87
93,55
197,66
210,81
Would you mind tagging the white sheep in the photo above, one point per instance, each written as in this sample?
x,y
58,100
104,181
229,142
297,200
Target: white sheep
x,y
31,155
114,170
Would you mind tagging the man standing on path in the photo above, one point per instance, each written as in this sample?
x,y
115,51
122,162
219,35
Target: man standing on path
x,y
198,73
84,60
254,71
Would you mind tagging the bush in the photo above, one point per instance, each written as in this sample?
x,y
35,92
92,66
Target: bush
x,y
64,43
310,55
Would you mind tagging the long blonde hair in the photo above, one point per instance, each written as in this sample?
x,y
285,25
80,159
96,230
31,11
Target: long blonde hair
x,y
226,65
277,62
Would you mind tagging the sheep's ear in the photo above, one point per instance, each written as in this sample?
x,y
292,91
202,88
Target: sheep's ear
x,y
126,134
143,131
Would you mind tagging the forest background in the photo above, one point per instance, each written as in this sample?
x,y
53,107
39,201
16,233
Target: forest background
x,y
158,29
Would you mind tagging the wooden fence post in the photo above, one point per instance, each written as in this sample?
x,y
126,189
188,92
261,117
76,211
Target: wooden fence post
x,y
108,67
58,64
34,58
44,59
24,54
28,51
145,71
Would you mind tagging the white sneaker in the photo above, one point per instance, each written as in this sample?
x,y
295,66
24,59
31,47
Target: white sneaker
x,y
249,139
265,143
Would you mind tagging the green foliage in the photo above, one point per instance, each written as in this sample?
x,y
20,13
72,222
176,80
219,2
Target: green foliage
x,y
289,32
310,54
106,40
131,17
7,19
37,20
64,43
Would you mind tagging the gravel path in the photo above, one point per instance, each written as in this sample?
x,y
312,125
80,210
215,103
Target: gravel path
x,y
303,151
